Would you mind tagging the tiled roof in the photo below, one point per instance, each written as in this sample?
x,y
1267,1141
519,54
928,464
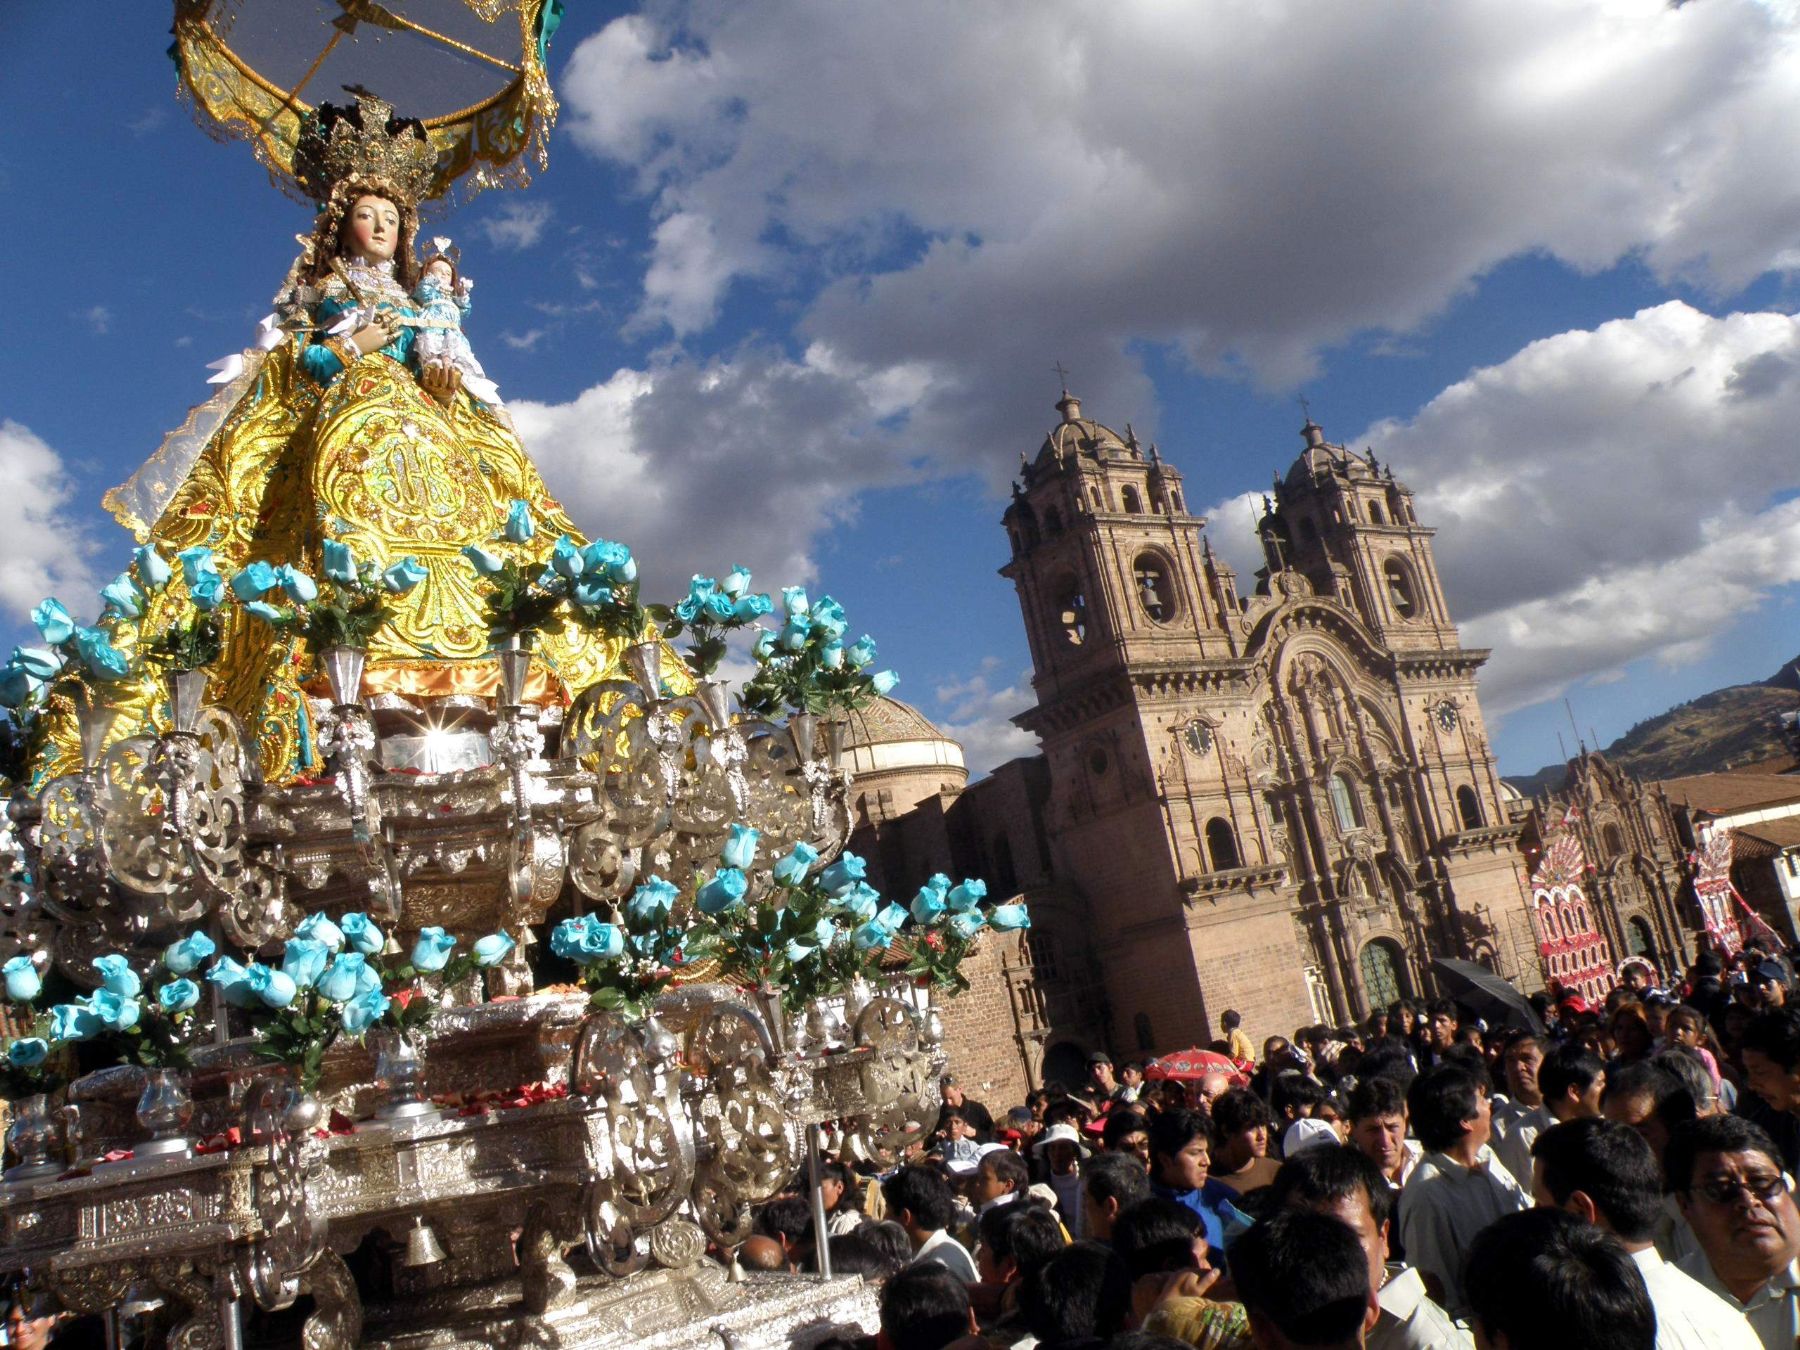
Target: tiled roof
x,y
1720,793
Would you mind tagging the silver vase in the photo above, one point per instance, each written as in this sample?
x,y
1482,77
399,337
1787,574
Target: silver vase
x,y
400,1069
715,697
803,727
163,1112
836,733
93,720
343,667
187,696
645,662
515,668
32,1136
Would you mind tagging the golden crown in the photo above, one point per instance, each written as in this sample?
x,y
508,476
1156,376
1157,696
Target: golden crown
x,y
368,143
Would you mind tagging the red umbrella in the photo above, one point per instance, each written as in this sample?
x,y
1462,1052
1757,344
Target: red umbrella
x,y
1191,1065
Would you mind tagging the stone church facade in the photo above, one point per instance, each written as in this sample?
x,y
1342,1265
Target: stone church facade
x,y
1283,802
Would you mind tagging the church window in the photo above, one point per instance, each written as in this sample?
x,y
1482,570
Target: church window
x,y
1175,501
1468,806
1309,533
1380,964
1043,952
1221,845
1155,591
1343,804
1134,504
1375,517
1639,936
1612,841
1052,521
1140,1026
1401,592
1072,613
1097,761
1006,878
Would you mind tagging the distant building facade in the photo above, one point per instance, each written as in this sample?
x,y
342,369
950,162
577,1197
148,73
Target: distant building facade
x,y
1284,803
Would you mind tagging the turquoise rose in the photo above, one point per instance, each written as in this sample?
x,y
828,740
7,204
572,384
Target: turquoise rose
x,y
592,590
117,976
793,635
342,980
482,561
16,687
115,1011
966,896
262,609
825,932
321,929
1006,918
651,901
402,576
38,662
726,889
107,662
565,558
299,587
27,1052
842,874
197,562
153,570
73,1022
178,996
927,904
519,525
304,961
232,980
861,652
362,935
793,601
966,925
274,987
871,935
432,950
735,582
122,596
340,563
798,951
749,608
831,656
254,581
860,901
891,917
791,870
367,978
182,958
53,621
493,949
693,605
719,607
23,983
827,617
884,682
364,1011
613,559
586,940
207,593
765,646
740,847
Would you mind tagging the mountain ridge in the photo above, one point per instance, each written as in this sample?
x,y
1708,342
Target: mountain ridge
x,y
1734,725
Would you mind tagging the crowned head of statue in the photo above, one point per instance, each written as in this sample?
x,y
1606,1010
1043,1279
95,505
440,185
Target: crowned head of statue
x,y
368,169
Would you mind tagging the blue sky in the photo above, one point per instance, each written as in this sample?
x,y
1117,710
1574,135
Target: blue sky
x,y
791,289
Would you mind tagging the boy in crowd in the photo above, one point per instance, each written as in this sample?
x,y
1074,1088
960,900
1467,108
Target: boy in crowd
x,y
1543,1280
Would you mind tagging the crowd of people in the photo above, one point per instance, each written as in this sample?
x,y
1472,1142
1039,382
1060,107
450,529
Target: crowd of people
x,y
1599,1177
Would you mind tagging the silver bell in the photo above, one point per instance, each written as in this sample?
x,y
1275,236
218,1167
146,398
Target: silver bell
x,y
422,1246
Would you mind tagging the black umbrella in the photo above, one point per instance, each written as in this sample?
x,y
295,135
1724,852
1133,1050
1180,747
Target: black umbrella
x,y
1485,993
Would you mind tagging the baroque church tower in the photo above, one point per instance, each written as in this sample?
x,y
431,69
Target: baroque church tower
x,y
1283,803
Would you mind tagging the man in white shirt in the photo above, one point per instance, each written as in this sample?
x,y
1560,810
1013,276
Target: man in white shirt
x,y
1727,1178
1518,1122
1459,1186
1605,1174
919,1200
1342,1183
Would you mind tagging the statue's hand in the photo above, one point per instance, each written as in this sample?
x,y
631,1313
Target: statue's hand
x,y
441,381
373,337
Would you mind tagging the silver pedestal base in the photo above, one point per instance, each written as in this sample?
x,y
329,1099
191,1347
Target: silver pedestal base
x,y
655,1310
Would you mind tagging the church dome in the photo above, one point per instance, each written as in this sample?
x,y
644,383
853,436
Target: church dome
x,y
1078,435
891,737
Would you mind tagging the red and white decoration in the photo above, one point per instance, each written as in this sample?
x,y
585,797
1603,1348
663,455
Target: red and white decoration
x,y
1570,946
1714,891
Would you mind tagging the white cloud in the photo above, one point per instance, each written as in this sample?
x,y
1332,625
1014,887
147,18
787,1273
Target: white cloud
x,y
997,185
978,716
517,224
99,318
1603,495
48,550
769,452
